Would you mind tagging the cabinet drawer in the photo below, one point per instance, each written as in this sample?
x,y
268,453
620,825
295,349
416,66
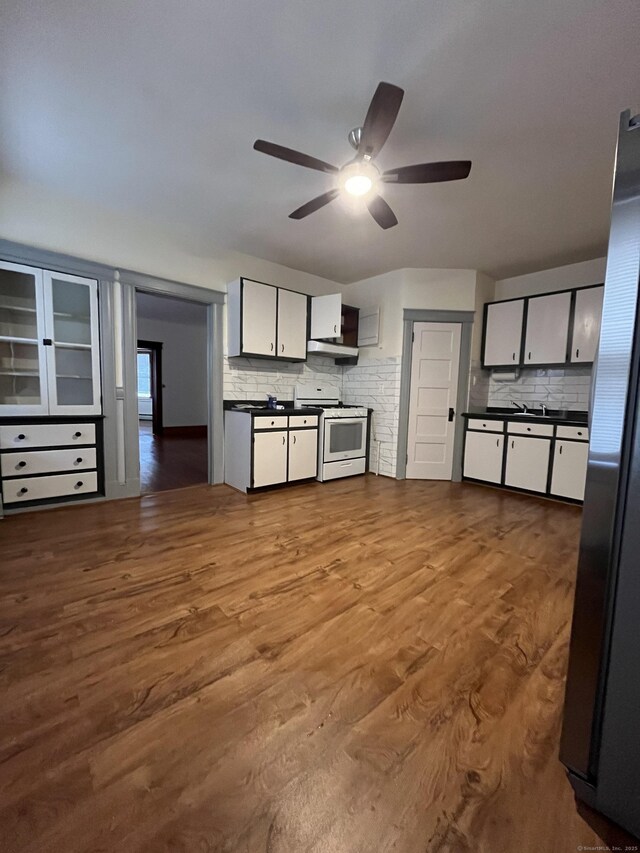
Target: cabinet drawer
x,y
303,421
485,425
529,429
37,488
580,433
276,422
45,435
45,461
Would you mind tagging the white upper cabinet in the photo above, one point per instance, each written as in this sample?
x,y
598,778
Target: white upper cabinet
x,y
292,324
326,316
258,323
503,333
547,329
49,343
263,320
586,324
73,358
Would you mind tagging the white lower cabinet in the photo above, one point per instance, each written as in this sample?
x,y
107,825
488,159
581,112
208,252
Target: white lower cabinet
x,y
483,454
570,469
303,453
527,463
269,458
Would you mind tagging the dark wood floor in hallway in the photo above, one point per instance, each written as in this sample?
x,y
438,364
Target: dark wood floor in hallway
x,y
360,666
171,460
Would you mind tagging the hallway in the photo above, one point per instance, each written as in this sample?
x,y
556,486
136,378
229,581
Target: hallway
x,y
173,460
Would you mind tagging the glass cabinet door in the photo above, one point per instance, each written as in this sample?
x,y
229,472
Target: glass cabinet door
x,y
23,385
73,356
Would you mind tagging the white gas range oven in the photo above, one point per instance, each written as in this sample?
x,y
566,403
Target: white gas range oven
x,y
342,441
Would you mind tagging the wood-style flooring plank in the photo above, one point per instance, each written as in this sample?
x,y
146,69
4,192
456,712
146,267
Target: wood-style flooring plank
x,y
356,666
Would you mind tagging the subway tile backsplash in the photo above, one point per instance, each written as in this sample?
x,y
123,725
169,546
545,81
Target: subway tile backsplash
x,y
252,378
562,388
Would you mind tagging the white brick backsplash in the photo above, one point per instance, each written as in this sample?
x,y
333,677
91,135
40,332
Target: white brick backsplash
x,y
255,378
560,388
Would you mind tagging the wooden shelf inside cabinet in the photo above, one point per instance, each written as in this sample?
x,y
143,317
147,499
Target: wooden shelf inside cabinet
x,y
349,332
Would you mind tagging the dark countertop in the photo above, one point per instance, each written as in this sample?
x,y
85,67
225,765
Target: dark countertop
x,y
553,416
261,409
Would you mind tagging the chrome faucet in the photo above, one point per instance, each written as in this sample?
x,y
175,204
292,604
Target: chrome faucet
x,y
521,407
543,406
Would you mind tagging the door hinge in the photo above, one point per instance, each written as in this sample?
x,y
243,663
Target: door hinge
x,y
413,337
406,461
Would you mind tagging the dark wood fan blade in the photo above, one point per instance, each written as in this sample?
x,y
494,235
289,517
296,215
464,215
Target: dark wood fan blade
x,y
292,156
380,118
381,212
314,204
429,173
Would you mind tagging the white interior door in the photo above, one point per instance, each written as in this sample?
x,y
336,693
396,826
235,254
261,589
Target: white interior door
x,y
435,363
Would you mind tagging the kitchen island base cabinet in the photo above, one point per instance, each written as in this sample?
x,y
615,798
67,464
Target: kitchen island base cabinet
x,y
570,469
483,456
527,463
303,454
269,458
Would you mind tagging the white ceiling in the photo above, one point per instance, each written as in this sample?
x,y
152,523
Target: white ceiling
x,y
151,108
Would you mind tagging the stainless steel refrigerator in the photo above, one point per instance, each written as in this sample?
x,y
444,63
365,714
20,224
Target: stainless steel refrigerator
x,y
600,743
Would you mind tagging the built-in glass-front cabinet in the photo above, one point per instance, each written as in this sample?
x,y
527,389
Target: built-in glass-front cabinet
x,y
49,347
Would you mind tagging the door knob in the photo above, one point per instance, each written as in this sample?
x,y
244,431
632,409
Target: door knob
x,y
451,414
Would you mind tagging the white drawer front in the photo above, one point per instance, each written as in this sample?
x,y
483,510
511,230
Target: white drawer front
x,y
580,433
334,470
303,421
45,461
46,435
485,425
275,422
37,488
529,429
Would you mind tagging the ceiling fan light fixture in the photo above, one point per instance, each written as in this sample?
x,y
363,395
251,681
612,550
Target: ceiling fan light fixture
x,y
358,179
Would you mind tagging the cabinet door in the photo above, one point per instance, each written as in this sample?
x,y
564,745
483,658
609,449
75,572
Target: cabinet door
x,y
570,469
326,316
527,463
586,324
483,456
503,333
292,324
259,318
23,373
547,329
303,453
73,358
269,458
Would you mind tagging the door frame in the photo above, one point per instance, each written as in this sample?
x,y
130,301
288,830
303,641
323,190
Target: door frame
x,y
154,348
415,315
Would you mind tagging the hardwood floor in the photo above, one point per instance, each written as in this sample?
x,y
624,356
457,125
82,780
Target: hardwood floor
x,y
360,666
171,461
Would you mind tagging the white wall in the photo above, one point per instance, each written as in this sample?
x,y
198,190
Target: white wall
x,y
557,278
35,217
184,368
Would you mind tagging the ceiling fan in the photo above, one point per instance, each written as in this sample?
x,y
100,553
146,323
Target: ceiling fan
x,y
360,177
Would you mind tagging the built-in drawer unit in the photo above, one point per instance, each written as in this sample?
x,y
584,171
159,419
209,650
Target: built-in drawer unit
x,y
485,425
301,421
275,422
580,433
45,460
521,428
39,488
46,435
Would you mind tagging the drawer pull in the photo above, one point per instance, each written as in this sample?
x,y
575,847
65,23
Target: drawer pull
x,y
21,437
579,432
78,460
305,420
528,429
484,425
79,484
23,490
77,434
21,464
272,423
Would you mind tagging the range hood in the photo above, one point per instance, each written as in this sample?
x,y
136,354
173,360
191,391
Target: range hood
x,y
331,349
